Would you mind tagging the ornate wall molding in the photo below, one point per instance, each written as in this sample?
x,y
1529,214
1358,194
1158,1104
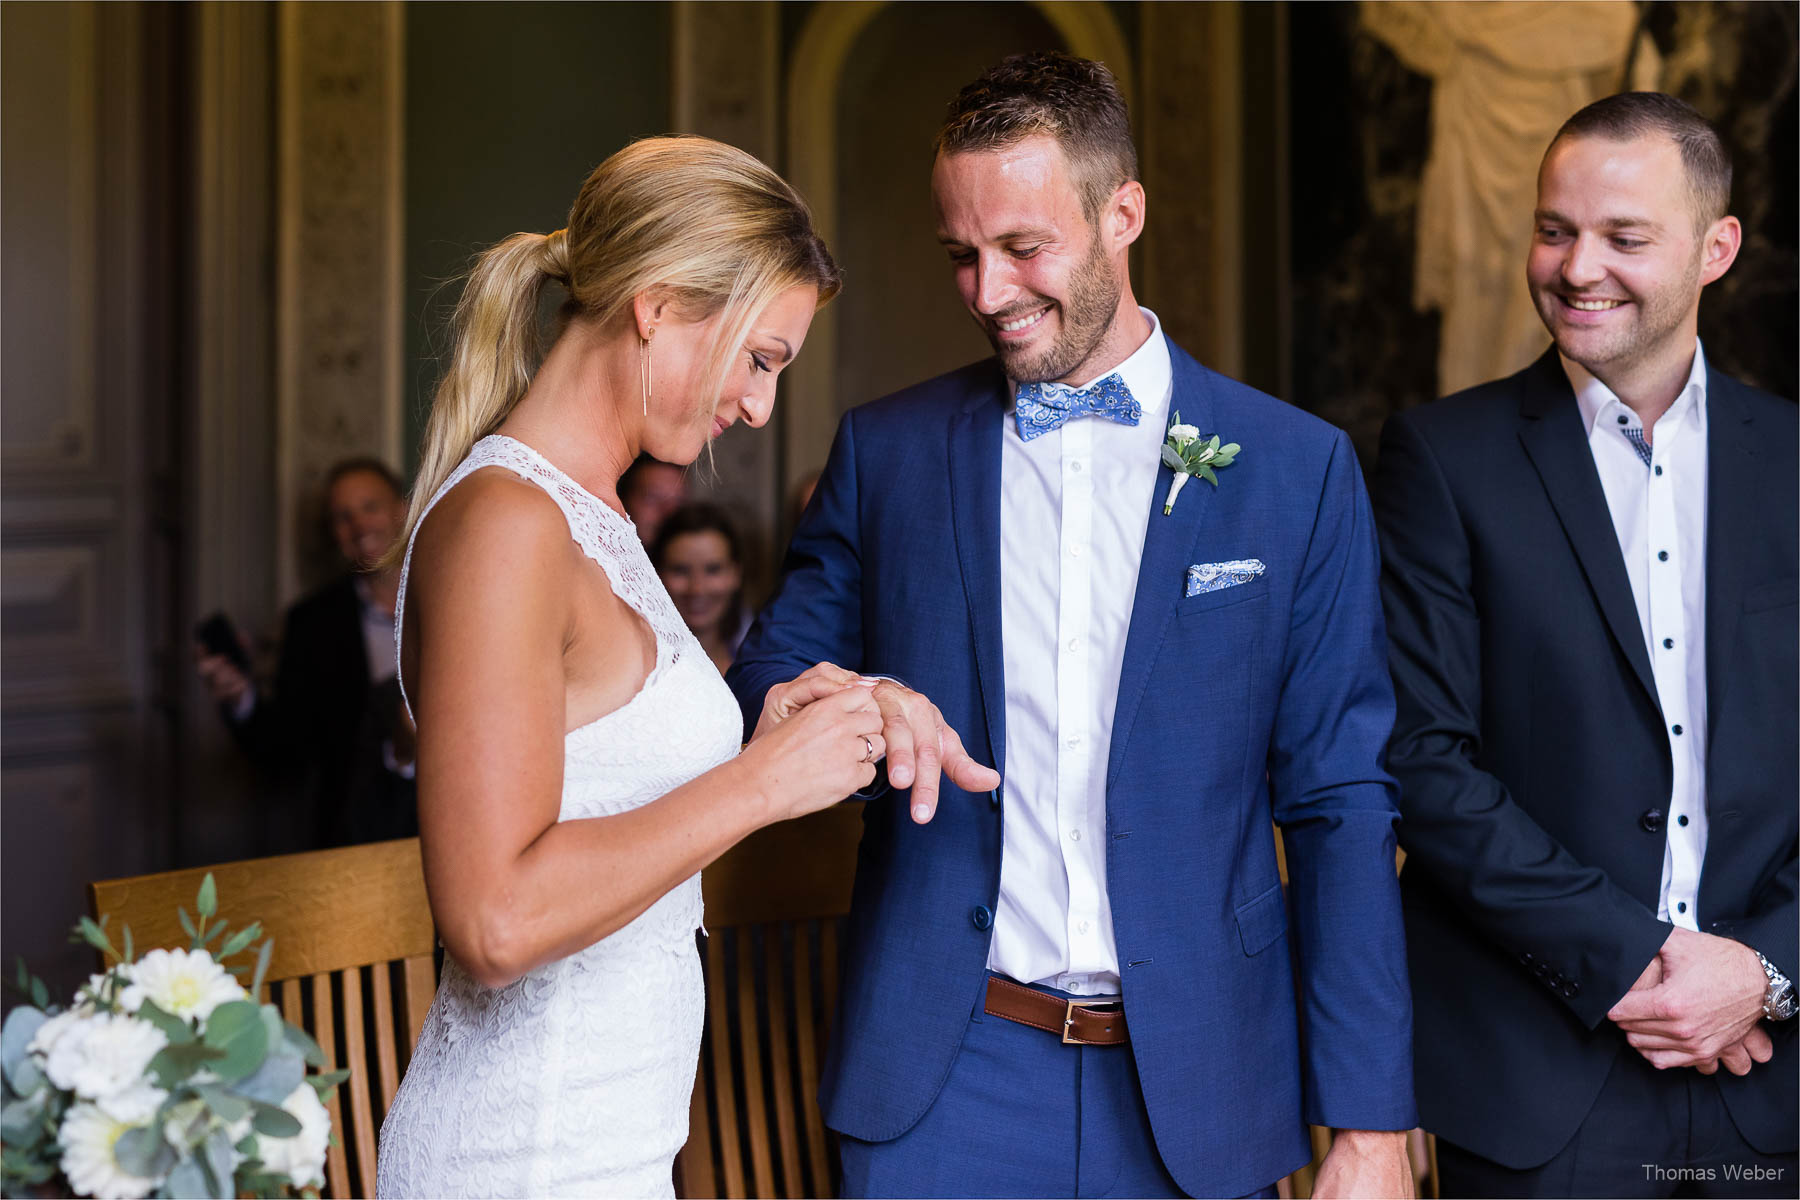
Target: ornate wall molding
x,y
339,316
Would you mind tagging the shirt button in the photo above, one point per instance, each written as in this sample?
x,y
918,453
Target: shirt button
x,y
1081,927
1668,643
1075,466
1658,470
1681,820
1074,835
1682,907
1662,556
1074,644
1624,420
1676,729
1073,743
1075,551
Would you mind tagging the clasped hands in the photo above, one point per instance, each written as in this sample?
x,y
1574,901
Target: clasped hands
x,y
1698,1005
921,746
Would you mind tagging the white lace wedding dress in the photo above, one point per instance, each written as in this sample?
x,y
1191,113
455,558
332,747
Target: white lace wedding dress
x,y
575,1080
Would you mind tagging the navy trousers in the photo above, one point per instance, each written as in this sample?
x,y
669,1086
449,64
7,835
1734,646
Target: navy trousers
x,y
1021,1114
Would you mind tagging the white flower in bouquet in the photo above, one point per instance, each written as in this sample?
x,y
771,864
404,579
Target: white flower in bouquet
x,y
302,1157
184,983
101,1055
52,1030
114,985
87,1137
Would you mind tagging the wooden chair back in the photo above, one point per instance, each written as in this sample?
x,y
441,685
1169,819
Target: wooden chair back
x,y
774,909
351,964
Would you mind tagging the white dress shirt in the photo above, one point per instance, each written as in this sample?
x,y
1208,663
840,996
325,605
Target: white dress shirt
x,y
1073,504
1659,513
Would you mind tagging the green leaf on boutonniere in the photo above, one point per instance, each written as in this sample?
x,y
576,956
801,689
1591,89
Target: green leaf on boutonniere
x,y
1171,458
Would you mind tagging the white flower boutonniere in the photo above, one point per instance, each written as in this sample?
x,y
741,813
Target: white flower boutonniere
x,y
1188,454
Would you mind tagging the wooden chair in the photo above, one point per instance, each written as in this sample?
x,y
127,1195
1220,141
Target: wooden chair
x,y
774,909
351,964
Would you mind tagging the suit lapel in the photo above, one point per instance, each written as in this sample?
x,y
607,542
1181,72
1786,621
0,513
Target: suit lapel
x,y
1168,552
1731,478
1553,438
974,456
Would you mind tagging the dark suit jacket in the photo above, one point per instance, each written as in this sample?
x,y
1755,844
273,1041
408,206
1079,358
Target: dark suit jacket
x,y
1533,763
322,730
1259,702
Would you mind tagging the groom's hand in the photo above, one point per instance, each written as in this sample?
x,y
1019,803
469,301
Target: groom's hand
x,y
921,747
1365,1163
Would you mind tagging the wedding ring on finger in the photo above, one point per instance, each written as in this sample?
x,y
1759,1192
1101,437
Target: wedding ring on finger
x,y
868,746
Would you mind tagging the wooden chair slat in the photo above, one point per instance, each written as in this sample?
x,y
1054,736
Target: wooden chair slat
x,y
750,1047
781,1074
356,1057
421,985
694,1165
387,1059
730,1155
291,1010
806,1033
324,1031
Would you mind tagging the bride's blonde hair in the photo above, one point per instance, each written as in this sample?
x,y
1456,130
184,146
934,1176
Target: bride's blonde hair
x,y
704,224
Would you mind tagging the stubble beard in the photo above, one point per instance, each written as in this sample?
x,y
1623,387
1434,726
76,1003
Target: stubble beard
x,y
1659,314
1087,319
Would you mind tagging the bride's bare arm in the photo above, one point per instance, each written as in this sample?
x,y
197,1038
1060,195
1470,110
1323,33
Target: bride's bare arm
x,y
491,609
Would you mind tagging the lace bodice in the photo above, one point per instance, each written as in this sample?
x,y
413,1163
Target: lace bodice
x,y
576,1078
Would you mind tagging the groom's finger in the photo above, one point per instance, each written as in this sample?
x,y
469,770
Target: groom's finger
x,y
928,766
963,770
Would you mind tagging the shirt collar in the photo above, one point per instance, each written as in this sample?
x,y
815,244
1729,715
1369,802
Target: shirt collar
x,y
1147,371
1596,400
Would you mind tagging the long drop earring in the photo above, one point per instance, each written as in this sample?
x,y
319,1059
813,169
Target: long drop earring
x,y
645,361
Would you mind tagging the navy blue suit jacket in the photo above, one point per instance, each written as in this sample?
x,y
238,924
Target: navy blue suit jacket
x,y
1535,763
1268,701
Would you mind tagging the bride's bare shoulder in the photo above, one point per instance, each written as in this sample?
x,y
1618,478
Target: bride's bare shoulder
x,y
493,523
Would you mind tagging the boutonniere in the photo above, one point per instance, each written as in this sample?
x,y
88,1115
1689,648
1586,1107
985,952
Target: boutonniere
x,y
1188,454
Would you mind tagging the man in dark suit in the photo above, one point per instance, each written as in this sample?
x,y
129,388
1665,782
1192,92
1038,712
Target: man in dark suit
x,y
333,730
1589,578
1082,981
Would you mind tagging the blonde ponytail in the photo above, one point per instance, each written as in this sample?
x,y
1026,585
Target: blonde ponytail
x,y
495,349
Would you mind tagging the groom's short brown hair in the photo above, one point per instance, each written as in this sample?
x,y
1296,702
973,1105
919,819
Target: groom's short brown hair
x,y
1074,100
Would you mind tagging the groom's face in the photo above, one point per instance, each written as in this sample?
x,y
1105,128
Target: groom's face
x,y
1032,270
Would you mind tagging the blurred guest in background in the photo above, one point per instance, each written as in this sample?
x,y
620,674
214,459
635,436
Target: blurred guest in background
x,y
650,490
333,724
701,560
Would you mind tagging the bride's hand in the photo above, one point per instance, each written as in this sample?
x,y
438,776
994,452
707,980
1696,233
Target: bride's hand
x,y
819,755
815,683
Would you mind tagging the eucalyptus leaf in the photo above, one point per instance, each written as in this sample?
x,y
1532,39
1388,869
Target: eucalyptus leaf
x,y
1230,448
207,902
237,1029
178,1031
188,1181
240,939
219,1160
225,1103
326,1080
271,1019
1206,473
1213,443
22,1024
20,1119
26,1078
174,1064
275,1122
1175,418
129,956
214,932
262,966
187,926
309,1049
137,1149
1171,458
275,1080
95,936
40,995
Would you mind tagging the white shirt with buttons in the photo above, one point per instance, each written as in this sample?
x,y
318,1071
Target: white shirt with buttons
x,y
1659,514
1073,504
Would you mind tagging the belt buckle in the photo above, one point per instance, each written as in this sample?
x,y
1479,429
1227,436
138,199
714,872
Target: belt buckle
x,y
1069,1017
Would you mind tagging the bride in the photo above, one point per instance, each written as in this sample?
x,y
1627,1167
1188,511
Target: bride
x,y
578,754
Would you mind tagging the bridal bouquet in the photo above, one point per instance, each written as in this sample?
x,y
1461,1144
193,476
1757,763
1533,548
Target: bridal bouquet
x,y
164,1077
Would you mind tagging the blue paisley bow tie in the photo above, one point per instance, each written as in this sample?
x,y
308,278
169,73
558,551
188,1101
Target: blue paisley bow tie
x,y
1043,407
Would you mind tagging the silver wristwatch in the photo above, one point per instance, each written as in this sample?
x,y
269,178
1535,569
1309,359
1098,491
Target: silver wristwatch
x,y
1778,1002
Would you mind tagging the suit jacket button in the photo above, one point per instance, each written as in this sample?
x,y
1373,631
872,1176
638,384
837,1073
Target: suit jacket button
x,y
1652,821
1571,989
981,916
1542,970
1525,958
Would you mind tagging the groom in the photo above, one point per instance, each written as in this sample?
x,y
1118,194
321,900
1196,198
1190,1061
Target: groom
x,y
1081,981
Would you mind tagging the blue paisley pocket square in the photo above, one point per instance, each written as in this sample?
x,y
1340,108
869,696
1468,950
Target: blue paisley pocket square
x,y
1213,577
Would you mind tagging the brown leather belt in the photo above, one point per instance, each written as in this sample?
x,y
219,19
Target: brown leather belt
x,y
1077,1022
